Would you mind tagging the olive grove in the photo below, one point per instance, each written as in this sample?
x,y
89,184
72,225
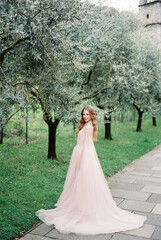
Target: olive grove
x,y
66,53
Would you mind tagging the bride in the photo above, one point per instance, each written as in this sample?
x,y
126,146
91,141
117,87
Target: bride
x,y
85,205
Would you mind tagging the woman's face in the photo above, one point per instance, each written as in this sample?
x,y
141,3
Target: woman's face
x,y
86,115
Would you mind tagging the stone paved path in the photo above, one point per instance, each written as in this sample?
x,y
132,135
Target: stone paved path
x,y
136,188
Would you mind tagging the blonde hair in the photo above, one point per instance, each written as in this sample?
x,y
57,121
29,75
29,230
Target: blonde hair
x,y
93,119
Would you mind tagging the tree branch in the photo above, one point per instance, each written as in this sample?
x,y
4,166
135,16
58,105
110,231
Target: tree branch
x,y
90,73
12,46
96,93
34,91
137,108
20,83
3,74
12,116
100,106
39,11
46,112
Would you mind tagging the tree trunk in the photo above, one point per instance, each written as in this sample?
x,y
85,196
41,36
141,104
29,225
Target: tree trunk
x,y
108,127
122,117
4,125
26,124
1,136
154,121
115,118
74,125
52,126
138,129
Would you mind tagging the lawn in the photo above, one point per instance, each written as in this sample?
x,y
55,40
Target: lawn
x,y
30,181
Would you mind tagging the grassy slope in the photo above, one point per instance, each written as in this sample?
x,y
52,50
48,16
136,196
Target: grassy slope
x,y
30,181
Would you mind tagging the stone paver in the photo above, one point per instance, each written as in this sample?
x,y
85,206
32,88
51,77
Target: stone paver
x,y
35,237
126,186
128,169
151,189
156,172
117,179
147,182
119,236
147,174
137,205
118,200
136,188
151,179
146,231
135,195
156,175
157,234
156,198
72,236
156,168
42,229
157,209
143,168
152,218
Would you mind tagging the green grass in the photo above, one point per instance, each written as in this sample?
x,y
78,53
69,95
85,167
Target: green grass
x,y
30,181
15,129
127,144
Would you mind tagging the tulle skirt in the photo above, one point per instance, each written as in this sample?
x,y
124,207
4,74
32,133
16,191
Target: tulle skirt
x,y
86,205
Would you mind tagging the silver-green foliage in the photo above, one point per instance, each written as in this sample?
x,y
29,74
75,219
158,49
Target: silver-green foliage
x,y
67,51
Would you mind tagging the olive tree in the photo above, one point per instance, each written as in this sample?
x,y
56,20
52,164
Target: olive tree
x,y
142,84
42,52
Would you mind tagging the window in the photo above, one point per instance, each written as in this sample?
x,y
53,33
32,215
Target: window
x,y
147,16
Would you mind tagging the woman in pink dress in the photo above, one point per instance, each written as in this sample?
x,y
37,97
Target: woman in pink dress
x,y
85,205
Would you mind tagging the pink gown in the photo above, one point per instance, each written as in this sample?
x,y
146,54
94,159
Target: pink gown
x,y
85,205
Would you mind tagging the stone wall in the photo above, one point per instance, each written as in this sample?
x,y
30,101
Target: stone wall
x,y
151,15
151,12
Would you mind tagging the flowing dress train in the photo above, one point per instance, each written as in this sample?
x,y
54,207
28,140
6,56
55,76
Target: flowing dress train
x,y
85,205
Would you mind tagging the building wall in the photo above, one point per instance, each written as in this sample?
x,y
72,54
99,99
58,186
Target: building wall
x,y
151,14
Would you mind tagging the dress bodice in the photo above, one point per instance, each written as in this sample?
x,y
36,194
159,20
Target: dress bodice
x,y
85,134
